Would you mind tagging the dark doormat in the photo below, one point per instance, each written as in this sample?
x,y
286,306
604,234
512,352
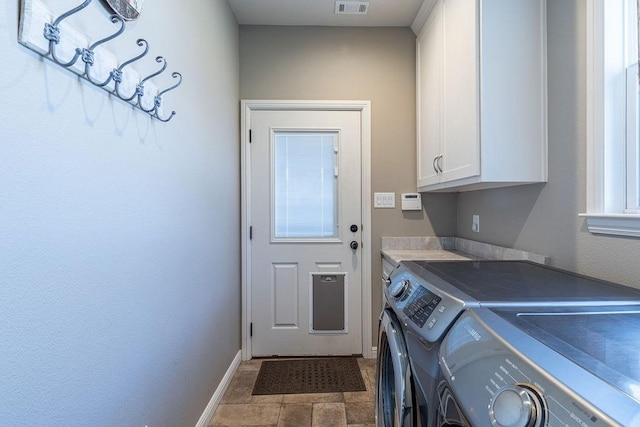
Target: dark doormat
x,y
324,375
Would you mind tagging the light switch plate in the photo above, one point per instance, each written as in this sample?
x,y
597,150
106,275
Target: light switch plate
x,y
384,200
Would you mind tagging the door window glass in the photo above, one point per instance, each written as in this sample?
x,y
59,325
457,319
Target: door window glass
x,y
305,185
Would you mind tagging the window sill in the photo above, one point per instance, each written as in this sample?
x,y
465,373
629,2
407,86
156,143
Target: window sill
x,y
613,224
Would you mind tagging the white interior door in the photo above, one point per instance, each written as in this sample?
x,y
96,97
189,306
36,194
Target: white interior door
x,y
305,215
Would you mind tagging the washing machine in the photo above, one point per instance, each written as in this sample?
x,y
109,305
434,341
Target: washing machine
x,y
407,369
394,385
542,367
424,299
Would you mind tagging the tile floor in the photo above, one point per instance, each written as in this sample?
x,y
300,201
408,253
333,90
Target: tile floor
x,y
239,408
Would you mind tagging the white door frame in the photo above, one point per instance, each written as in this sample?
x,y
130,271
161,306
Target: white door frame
x,y
248,106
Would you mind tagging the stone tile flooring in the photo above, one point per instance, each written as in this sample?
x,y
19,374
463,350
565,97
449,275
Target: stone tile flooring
x,y
239,408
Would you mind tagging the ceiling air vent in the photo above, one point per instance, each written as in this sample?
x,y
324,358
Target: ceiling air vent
x,y
352,7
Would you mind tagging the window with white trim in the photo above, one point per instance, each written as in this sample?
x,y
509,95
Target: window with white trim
x,y
613,188
305,188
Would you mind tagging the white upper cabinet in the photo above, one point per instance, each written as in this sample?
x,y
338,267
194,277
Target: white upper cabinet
x,y
429,58
481,102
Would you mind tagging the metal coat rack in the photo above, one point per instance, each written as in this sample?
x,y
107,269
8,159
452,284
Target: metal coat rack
x,y
52,33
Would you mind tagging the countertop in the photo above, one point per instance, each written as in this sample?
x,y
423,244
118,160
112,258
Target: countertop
x,y
397,249
396,255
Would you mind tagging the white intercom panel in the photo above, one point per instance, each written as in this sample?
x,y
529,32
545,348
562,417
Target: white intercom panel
x,y
411,202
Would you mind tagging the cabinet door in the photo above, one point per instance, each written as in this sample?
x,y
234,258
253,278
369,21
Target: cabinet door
x,y
461,148
429,86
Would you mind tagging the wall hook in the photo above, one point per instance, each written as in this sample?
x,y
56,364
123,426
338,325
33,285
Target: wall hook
x,y
117,73
52,33
93,61
88,55
158,99
140,87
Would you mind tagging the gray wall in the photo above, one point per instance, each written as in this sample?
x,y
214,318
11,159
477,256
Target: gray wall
x,y
544,218
376,64
119,253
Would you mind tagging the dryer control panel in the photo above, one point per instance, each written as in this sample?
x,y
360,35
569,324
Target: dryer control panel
x,y
425,309
421,305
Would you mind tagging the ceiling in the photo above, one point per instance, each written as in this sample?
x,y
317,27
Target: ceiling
x,y
382,13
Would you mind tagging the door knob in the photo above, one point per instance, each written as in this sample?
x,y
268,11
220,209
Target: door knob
x,y
354,245
353,228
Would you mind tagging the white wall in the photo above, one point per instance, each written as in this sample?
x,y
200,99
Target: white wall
x,y
119,235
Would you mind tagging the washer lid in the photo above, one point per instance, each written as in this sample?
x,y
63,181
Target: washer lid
x,y
524,283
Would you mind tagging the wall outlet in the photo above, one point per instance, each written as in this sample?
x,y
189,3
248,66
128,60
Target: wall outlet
x,y
475,225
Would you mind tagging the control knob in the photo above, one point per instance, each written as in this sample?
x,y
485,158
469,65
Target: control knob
x,y
399,287
519,405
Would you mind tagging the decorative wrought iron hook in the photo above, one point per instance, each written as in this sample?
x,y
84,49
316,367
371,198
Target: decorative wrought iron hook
x,y
158,99
116,74
71,12
88,54
140,87
159,60
52,33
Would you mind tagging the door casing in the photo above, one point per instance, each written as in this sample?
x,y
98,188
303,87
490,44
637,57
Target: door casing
x,y
247,107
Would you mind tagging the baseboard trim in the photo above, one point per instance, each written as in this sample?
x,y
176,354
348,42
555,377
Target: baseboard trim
x,y
374,352
217,395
